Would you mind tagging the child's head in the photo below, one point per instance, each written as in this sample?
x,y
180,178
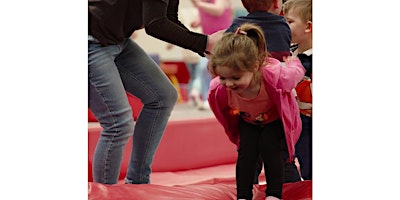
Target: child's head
x,y
239,53
298,14
273,6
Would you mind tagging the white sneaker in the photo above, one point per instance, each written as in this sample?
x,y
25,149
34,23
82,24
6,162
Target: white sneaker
x,y
195,97
204,105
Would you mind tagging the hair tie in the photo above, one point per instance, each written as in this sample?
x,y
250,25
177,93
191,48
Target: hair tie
x,y
239,31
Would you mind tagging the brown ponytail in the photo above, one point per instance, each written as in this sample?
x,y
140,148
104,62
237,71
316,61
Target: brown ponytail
x,y
240,50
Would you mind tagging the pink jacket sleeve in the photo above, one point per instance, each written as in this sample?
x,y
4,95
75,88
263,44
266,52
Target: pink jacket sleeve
x,y
281,80
286,77
218,101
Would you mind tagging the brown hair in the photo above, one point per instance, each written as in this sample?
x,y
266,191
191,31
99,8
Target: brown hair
x,y
257,5
241,50
302,7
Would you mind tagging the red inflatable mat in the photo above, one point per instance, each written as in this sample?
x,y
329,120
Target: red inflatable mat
x,y
186,145
224,190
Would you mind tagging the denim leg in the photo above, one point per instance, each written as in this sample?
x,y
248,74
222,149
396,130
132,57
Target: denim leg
x,y
191,68
143,78
196,80
205,78
108,102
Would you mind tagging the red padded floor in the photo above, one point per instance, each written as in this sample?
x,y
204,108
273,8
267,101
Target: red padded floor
x,y
222,190
195,161
186,145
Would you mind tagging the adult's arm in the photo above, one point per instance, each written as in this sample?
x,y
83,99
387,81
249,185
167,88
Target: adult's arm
x,y
161,21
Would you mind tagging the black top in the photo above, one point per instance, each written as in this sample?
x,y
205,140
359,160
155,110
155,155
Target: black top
x,y
112,21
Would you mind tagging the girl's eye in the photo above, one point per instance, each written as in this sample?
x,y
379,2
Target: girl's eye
x,y
221,78
236,78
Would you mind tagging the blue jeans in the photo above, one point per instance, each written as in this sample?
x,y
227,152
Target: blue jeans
x,y
191,69
113,71
202,78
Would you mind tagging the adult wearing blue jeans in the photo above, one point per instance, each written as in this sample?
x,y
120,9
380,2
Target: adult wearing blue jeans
x,y
112,70
117,65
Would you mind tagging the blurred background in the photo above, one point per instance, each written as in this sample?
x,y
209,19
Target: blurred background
x,y
187,14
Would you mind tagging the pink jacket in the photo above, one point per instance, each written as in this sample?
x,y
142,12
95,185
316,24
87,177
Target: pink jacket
x,y
279,82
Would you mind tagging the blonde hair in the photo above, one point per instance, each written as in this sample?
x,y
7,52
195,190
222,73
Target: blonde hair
x,y
241,50
302,7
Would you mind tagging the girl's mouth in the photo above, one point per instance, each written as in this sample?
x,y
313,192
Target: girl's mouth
x,y
234,88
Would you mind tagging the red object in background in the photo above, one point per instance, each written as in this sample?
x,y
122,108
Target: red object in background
x,y
135,103
181,73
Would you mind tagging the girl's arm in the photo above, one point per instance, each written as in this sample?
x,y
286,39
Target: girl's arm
x,y
291,74
218,101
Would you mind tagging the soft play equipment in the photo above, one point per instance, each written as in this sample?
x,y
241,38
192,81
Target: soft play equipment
x,y
195,161
223,190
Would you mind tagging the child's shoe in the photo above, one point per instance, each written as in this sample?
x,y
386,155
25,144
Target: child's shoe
x,y
195,97
204,105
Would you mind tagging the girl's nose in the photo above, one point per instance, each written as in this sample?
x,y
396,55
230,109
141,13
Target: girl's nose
x,y
229,83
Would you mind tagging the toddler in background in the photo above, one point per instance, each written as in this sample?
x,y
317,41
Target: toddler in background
x,y
298,14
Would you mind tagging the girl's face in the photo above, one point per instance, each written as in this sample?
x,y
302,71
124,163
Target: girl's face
x,y
236,81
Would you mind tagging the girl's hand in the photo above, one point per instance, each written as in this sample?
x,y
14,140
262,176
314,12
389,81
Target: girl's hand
x,y
289,59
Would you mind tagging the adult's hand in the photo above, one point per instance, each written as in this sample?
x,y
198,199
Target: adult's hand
x,y
213,39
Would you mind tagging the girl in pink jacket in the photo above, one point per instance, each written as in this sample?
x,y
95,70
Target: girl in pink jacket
x,y
252,97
